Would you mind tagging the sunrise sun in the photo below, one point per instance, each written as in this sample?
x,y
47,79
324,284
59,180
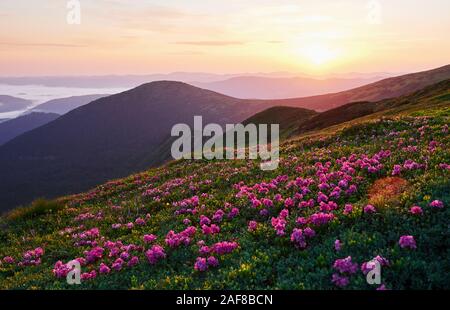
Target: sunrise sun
x,y
318,54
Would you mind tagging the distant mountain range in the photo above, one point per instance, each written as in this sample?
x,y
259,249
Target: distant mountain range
x,y
17,126
251,87
117,135
63,105
129,81
10,103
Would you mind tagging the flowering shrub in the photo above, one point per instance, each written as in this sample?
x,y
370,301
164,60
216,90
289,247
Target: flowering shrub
x,y
345,265
416,210
437,204
155,254
407,242
224,247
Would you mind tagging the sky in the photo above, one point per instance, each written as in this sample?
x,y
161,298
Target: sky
x,y
231,36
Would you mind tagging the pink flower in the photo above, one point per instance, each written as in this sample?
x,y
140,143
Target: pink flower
x,y
204,250
321,197
256,203
88,275
204,220
149,238
345,265
117,265
369,209
124,255
212,261
279,224
210,230
319,219
60,270
284,213
139,221
130,225
348,209
94,254
264,212
224,247
174,240
104,269
201,264
407,242
8,260
309,232
133,261
233,213
397,169
298,238
155,254
339,280
382,287
366,267
116,226
437,204
416,210
289,202
218,216
301,221
252,225
337,245
187,222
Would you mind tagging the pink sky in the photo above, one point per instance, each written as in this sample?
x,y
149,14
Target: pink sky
x,y
142,37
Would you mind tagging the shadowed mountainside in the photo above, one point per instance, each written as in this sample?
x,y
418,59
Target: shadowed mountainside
x,y
289,118
17,126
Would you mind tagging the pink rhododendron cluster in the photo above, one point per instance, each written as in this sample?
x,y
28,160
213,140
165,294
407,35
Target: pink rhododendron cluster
x,y
407,242
32,257
369,209
345,265
174,240
345,268
416,210
366,267
224,247
321,218
252,226
299,236
437,204
149,238
155,254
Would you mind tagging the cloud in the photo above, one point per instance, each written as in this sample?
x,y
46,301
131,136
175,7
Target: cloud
x,y
210,43
40,44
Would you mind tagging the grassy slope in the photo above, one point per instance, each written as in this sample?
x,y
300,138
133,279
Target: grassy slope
x,y
434,94
263,259
288,118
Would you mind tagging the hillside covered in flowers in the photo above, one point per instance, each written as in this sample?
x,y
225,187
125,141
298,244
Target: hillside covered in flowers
x,y
376,187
